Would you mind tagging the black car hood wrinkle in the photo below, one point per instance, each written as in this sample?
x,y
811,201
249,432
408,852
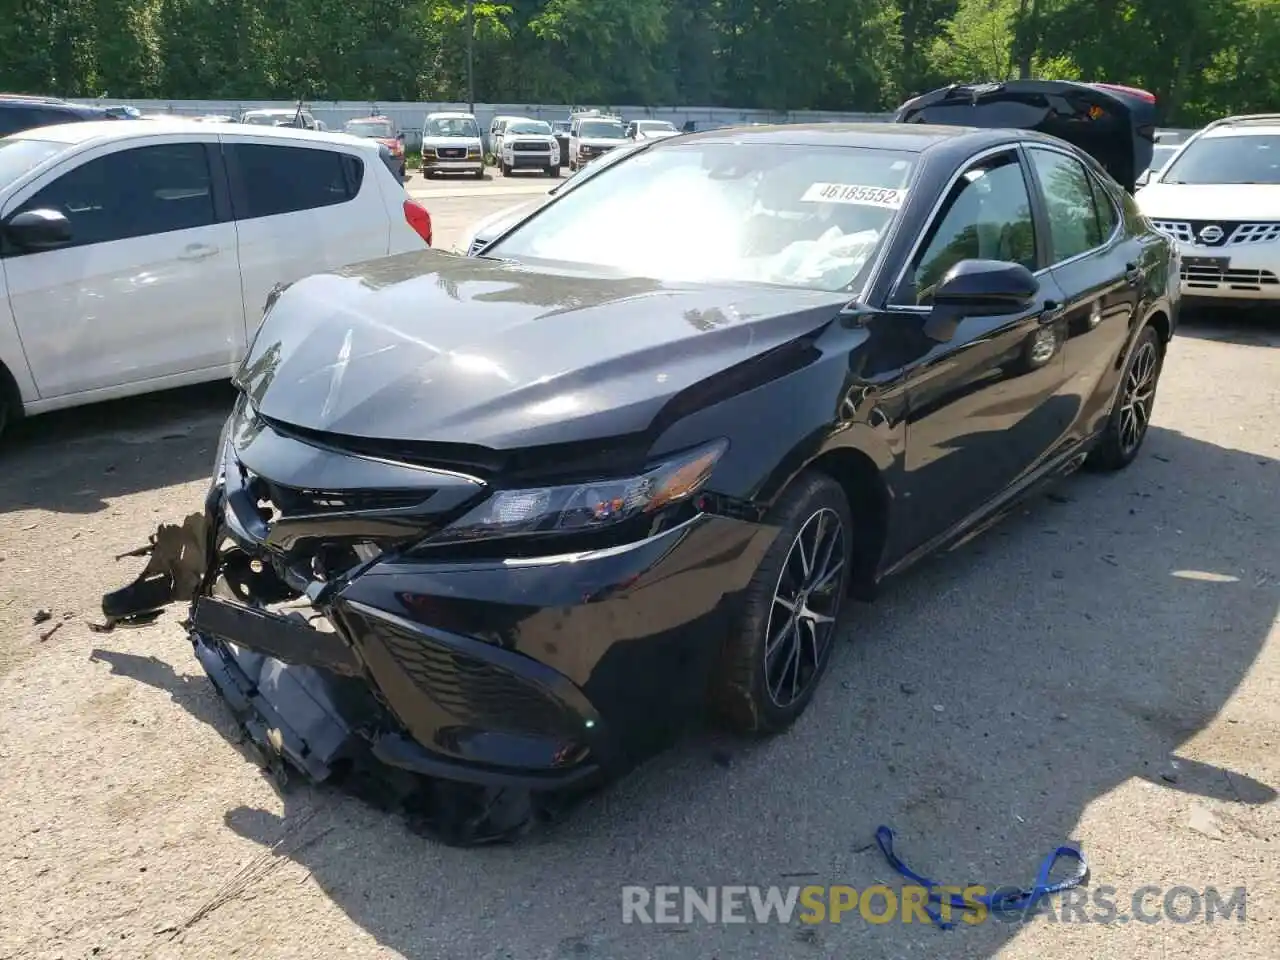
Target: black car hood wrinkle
x,y
439,348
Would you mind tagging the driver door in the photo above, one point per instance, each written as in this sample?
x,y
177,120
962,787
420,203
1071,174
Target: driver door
x,y
986,407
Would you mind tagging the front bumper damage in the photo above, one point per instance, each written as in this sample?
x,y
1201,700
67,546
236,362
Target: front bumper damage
x,y
477,695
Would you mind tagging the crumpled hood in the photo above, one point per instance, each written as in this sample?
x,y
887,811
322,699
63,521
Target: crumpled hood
x,y
429,346
1188,201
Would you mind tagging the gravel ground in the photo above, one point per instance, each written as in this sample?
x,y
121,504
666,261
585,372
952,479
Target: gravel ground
x,y
1103,668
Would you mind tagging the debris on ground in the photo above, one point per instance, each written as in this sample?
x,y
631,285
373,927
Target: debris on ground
x,y
41,616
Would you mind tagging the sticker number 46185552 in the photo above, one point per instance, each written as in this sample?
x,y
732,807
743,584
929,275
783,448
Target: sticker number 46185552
x,y
853,193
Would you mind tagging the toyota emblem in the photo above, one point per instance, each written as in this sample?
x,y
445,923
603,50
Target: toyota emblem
x,y
1211,234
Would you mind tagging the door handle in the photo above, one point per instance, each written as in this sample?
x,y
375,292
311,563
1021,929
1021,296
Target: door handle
x,y
1133,274
1052,312
197,251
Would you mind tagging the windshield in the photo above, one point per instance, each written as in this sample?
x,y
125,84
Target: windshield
x,y
451,127
780,214
561,126
1160,156
655,126
529,127
370,128
18,156
1253,158
602,130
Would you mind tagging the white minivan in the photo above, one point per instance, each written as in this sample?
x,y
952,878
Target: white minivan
x,y
137,255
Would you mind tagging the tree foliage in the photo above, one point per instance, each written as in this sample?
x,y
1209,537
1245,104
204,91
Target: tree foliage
x,y
1202,58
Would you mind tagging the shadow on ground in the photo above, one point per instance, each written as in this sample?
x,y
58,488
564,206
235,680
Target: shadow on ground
x,y
1249,327
75,461
978,708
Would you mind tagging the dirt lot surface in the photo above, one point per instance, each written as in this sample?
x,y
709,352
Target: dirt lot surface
x,y
1103,668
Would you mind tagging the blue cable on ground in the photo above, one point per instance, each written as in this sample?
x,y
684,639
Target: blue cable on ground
x,y
1000,901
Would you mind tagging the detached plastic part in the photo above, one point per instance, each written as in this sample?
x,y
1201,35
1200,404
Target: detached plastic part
x,y
179,559
262,692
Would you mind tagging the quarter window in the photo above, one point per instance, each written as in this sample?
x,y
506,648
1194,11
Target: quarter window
x,y
275,180
1074,226
133,193
987,216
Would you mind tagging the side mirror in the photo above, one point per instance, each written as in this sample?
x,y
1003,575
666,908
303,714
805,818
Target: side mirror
x,y
39,229
400,136
972,287
1143,178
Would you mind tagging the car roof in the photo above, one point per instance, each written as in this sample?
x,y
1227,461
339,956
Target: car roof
x,y
912,137
108,130
51,103
1253,129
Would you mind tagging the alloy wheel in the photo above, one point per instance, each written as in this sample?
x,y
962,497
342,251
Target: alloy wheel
x,y
806,601
1139,397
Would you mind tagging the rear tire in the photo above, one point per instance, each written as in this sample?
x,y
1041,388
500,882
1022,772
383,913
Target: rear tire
x,y
1131,416
778,649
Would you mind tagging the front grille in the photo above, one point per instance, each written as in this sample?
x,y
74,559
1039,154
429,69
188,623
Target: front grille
x,y
451,153
477,693
1214,278
294,502
1233,233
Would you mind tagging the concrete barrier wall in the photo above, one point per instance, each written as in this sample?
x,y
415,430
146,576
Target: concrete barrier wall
x,y
409,116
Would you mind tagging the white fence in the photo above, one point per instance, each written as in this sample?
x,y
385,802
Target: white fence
x,y
409,116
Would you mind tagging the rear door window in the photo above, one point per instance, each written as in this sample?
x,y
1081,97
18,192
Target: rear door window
x,y
133,193
1074,226
275,180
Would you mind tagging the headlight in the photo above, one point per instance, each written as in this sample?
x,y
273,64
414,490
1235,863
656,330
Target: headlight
x,y
585,507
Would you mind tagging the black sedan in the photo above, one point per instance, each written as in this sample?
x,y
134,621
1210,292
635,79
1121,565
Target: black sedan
x,y
508,521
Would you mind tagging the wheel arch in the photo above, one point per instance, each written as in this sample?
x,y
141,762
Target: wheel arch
x,y
10,397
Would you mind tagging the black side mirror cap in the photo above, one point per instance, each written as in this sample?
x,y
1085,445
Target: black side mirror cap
x,y
39,229
973,287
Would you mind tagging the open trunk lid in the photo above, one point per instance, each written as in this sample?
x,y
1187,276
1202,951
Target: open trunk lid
x,y
1114,124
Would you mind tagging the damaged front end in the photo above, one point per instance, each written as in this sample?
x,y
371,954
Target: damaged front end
x,y
335,681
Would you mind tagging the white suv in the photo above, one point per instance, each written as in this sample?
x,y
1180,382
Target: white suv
x,y
1219,198
137,255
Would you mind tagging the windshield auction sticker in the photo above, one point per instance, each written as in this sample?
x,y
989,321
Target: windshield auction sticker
x,y
886,197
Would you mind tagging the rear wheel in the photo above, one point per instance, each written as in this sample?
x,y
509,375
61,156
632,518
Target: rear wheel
x,y
1131,416
779,648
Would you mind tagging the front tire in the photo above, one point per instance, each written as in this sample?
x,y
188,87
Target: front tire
x,y
779,648
506,170
1131,416
553,171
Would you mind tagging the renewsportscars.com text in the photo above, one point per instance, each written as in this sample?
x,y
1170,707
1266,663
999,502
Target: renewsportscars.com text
x,y
685,906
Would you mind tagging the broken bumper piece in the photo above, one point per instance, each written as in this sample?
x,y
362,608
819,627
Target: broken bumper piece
x,y
307,701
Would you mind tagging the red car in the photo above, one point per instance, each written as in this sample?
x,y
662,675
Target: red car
x,y
384,131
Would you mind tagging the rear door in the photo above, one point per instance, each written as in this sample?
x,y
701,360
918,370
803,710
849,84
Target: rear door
x,y
1097,264
300,209
147,287
985,408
